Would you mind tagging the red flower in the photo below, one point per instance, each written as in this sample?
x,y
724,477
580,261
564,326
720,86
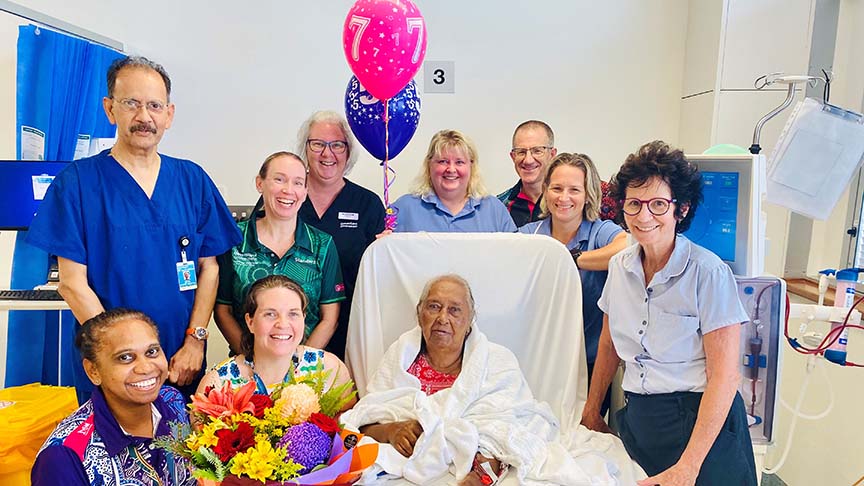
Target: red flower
x,y
233,441
327,424
261,402
225,401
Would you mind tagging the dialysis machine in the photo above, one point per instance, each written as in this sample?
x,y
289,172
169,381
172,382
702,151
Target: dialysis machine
x,y
730,223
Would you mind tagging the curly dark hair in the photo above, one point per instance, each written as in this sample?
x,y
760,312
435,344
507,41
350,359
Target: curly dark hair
x,y
658,159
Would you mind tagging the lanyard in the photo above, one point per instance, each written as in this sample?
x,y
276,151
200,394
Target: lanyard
x,y
146,466
183,242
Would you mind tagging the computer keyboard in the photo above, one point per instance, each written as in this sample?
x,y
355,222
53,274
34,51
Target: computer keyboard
x,y
30,295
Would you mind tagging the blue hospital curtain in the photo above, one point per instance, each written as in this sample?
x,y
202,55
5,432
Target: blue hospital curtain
x,y
61,83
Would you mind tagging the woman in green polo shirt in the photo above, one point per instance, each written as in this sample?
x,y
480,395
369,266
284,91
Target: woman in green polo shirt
x,y
277,241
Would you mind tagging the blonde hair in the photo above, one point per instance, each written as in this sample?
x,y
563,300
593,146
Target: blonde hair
x,y
450,139
593,193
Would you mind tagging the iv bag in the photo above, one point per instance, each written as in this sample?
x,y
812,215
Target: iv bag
x,y
815,158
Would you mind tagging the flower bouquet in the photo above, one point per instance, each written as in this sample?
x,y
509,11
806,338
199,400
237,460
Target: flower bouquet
x,y
288,437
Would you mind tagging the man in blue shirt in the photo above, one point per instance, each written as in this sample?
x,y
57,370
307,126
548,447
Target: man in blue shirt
x,y
138,229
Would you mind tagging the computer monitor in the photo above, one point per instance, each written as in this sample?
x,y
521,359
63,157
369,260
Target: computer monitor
x,y
22,186
729,221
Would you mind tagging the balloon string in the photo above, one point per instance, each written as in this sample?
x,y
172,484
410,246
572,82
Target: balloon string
x,y
390,211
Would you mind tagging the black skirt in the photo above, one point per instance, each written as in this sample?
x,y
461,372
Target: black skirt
x,y
655,430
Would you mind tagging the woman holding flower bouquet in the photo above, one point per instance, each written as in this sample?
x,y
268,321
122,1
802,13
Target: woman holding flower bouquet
x,y
270,413
109,440
275,310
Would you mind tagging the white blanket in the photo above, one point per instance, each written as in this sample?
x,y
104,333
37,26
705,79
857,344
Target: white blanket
x,y
489,408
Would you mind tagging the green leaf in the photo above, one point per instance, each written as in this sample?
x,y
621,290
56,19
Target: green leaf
x,y
334,399
208,465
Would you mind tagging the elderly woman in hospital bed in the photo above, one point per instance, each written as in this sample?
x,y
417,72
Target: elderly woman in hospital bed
x,y
447,401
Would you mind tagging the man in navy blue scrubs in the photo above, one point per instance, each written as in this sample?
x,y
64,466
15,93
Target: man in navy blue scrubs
x,y
138,229
351,214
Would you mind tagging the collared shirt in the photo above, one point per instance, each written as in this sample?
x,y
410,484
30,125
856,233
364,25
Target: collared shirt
x,y
428,213
312,262
591,235
353,219
657,329
522,209
89,447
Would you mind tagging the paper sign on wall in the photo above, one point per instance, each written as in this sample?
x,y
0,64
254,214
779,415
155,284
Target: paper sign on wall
x,y
32,143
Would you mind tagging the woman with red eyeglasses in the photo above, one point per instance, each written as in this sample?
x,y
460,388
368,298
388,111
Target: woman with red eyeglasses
x,y
672,314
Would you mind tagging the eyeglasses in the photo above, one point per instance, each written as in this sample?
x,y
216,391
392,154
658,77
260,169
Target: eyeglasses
x,y
658,206
131,105
519,154
336,146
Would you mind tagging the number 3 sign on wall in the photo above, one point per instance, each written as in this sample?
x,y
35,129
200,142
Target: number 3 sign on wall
x,y
384,42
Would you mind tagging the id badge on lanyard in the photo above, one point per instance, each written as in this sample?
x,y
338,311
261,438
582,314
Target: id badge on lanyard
x,y
186,278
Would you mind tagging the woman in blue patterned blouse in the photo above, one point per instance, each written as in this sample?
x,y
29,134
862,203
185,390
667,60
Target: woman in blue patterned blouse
x,y
107,441
275,312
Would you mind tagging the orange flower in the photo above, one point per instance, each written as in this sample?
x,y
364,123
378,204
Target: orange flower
x,y
225,402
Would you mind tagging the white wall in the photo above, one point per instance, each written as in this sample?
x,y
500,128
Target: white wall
x,y
606,76
824,452
8,59
847,91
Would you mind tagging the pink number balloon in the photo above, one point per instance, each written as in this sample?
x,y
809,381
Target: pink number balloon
x,y
384,42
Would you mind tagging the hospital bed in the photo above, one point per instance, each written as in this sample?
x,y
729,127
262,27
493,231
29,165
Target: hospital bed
x,y
528,299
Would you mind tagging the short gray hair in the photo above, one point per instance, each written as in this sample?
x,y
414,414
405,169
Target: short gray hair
x,y
326,116
450,277
136,62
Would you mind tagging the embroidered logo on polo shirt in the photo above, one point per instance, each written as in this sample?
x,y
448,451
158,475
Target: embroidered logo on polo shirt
x,y
309,261
347,224
340,287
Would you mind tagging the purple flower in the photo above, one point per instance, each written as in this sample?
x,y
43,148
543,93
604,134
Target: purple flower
x,y
307,445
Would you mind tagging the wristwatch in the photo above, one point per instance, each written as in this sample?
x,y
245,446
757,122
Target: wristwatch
x,y
199,333
576,252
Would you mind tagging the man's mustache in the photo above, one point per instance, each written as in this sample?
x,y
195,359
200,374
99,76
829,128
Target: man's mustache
x,y
142,127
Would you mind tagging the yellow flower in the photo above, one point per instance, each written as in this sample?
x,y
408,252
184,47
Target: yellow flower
x,y
297,403
258,462
192,442
206,437
208,434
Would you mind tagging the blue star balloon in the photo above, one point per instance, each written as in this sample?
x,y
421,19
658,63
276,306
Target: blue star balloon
x,y
365,115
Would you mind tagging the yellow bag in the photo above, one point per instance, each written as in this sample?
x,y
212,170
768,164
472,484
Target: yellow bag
x,y
25,424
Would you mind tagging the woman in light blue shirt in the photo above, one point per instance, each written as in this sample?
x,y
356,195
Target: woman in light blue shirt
x,y
449,196
672,315
570,208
